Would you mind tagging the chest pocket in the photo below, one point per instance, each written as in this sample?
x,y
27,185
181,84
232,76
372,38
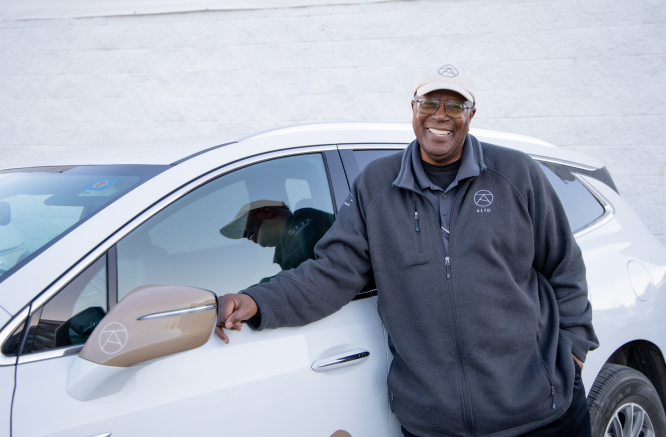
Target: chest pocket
x,y
404,236
416,246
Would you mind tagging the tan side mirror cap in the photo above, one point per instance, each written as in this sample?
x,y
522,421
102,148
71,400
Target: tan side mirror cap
x,y
152,322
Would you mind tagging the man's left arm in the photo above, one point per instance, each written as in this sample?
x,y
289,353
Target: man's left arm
x,y
559,259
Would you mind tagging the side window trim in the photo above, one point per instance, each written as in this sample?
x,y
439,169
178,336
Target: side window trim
x,y
8,330
31,331
600,174
111,277
351,166
336,178
609,210
581,176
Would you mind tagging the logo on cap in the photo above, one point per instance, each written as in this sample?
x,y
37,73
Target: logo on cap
x,y
448,70
483,198
113,338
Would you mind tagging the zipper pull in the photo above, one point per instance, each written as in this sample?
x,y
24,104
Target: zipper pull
x,y
552,393
416,221
447,264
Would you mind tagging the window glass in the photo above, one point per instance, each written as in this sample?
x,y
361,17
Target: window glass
x,y
11,345
363,157
234,232
70,316
581,206
38,205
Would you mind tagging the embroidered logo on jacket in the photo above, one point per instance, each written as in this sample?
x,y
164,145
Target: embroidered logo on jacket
x,y
483,198
348,201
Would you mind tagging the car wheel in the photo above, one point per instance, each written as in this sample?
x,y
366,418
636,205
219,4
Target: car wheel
x,y
624,403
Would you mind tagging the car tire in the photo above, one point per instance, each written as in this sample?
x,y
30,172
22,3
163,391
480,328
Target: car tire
x,y
622,398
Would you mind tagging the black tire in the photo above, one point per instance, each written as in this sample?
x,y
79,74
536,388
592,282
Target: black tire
x,y
616,391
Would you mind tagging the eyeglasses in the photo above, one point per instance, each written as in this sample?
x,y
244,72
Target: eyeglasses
x,y
430,106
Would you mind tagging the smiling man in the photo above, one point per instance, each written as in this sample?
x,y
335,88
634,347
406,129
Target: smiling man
x,y
481,285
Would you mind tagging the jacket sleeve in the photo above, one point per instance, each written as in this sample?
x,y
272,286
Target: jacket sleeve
x,y
319,287
559,259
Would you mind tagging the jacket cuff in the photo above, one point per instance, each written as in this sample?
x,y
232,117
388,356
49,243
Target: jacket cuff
x,y
580,346
259,321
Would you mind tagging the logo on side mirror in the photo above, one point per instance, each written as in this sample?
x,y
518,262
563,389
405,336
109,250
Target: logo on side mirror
x,y
113,338
164,320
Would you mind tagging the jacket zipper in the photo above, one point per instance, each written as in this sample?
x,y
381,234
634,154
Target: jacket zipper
x,y
416,226
467,403
552,386
545,369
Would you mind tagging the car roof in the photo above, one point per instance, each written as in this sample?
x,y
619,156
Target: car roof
x,y
373,135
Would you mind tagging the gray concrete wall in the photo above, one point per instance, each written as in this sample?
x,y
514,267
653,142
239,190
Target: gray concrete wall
x,y
584,75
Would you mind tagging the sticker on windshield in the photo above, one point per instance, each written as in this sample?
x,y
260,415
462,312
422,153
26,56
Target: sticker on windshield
x,y
102,187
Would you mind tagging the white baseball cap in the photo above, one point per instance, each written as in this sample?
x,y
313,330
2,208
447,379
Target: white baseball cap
x,y
452,77
235,228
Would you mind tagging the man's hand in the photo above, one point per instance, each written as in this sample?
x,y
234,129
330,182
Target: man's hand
x,y
579,362
232,309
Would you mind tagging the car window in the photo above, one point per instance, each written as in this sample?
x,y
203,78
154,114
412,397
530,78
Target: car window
x,y
236,231
364,157
581,206
39,205
69,317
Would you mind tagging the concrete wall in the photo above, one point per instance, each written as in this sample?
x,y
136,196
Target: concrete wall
x,y
585,75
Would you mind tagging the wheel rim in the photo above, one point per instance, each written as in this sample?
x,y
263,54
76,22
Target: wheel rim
x,y
630,420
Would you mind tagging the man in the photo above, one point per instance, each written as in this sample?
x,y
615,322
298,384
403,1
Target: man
x,y
270,223
481,285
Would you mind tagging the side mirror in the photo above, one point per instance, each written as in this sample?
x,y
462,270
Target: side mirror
x,y
149,323
77,329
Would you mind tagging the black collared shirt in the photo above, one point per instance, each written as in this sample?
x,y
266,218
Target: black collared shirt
x,y
442,199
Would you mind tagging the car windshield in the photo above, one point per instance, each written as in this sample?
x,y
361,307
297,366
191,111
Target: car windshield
x,y
39,205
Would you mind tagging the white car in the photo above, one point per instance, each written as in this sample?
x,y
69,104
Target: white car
x,y
79,233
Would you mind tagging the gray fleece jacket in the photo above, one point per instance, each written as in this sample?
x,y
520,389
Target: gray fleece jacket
x,y
482,338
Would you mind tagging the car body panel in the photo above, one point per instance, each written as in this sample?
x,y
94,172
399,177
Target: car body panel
x,y
619,315
7,384
4,316
191,392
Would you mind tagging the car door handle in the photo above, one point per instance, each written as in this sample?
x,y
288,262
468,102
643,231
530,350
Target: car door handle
x,y
349,358
106,434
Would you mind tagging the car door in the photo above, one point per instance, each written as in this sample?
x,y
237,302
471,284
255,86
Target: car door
x,y
262,383
354,158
